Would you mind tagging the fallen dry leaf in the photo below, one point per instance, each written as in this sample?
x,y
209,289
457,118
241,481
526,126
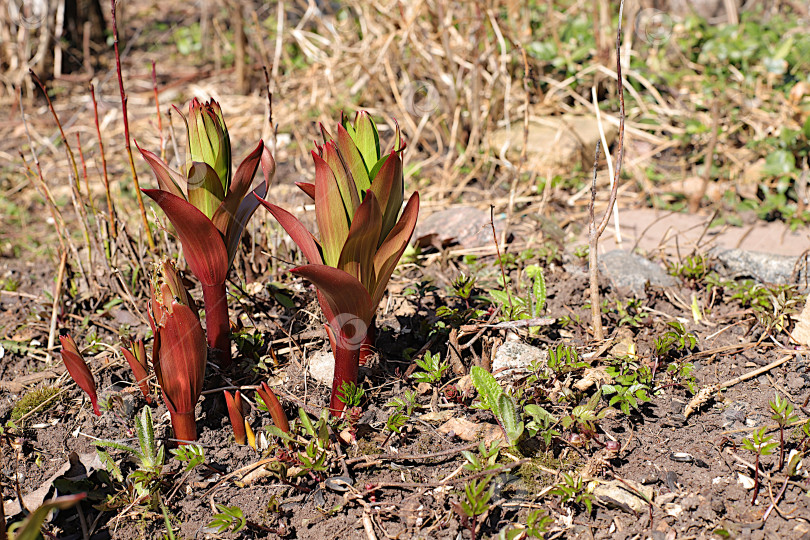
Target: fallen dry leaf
x,y
471,431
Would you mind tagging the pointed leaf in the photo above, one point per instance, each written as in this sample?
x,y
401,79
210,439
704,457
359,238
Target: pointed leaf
x,y
345,182
78,370
299,234
183,354
135,355
353,160
345,295
330,213
367,139
308,188
389,253
204,188
168,179
30,529
357,257
388,188
240,185
236,416
274,406
202,244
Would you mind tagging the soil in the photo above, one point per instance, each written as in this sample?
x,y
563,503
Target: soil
x,y
693,465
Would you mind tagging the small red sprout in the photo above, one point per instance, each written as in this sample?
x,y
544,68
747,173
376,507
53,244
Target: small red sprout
x,y
78,370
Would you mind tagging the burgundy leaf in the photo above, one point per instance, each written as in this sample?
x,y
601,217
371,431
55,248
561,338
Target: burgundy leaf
x,y
392,248
237,416
348,300
240,185
387,186
183,353
330,213
357,257
136,357
78,370
202,243
168,179
299,234
273,405
307,188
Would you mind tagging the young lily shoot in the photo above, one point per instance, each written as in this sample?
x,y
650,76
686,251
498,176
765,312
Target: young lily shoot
x,y
209,208
180,352
358,194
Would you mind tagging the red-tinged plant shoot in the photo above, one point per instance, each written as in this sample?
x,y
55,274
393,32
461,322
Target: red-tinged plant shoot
x,y
273,405
135,353
180,352
358,194
209,209
78,370
237,416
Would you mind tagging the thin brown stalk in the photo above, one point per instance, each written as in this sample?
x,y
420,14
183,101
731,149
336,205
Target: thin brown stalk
x,y
84,175
149,238
595,230
105,177
57,294
59,125
500,260
157,109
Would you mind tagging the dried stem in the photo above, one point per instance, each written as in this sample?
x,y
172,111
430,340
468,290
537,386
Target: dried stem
x,y
157,108
149,238
594,230
105,177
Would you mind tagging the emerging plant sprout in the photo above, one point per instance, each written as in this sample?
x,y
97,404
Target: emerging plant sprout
x,y
135,354
358,194
237,416
209,209
273,405
180,353
78,370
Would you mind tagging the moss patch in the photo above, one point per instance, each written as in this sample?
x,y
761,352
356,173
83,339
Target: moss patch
x,y
34,399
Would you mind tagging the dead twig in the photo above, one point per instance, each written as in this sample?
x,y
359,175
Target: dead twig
x,y
594,230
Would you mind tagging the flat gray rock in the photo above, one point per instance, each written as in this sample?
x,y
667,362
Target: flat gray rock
x,y
514,357
465,225
632,272
762,267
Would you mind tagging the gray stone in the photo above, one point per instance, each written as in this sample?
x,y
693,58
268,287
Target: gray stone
x,y
763,267
466,225
632,272
514,357
322,367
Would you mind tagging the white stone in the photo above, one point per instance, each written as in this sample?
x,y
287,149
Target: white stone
x,y
514,357
322,367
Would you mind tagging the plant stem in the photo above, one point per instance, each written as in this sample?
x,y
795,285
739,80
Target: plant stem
x,y
346,370
149,238
217,326
110,208
367,347
756,480
781,446
184,427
